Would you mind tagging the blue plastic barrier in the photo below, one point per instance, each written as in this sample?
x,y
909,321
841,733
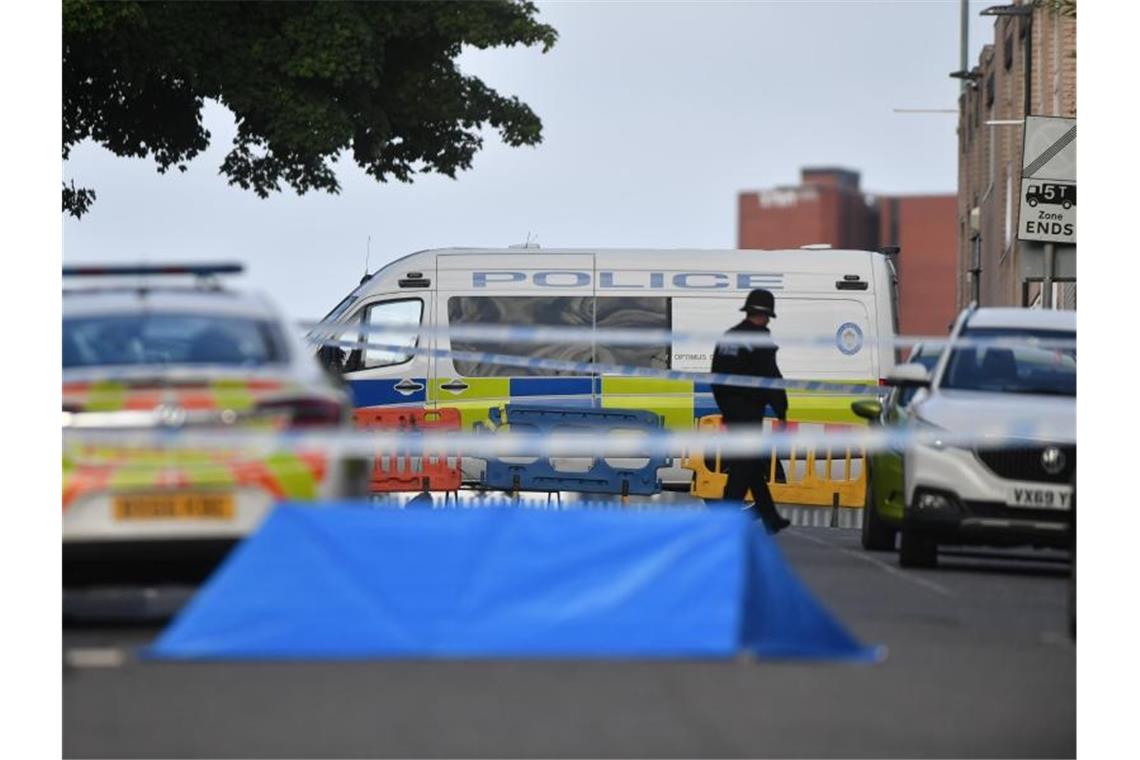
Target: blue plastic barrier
x,y
344,581
601,477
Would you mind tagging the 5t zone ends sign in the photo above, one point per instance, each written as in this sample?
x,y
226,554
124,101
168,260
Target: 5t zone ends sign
x,y
1048,211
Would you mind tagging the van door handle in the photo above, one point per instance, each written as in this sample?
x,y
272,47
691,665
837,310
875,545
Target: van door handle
x,y
454,386
407,387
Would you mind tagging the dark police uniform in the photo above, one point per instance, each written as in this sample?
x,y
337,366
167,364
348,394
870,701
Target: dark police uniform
x,y
745,407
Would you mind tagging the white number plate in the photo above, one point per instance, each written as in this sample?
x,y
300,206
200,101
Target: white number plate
x,y
1036,497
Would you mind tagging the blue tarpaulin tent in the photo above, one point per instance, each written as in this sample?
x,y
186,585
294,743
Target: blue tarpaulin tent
x,y
350,581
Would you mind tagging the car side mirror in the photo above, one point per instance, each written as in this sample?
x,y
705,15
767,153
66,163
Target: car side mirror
x,y
911,375
869,409
355,360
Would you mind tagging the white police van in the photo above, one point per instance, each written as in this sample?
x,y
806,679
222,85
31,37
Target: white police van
x,y
843,300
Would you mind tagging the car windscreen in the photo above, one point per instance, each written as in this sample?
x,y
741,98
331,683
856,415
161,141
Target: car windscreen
x,y
1009,367
149,339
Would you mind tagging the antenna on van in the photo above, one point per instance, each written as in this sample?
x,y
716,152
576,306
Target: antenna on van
x,y
367,256
527,244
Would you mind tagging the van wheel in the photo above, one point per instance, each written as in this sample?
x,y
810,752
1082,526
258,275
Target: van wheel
x,y
876,535
916,550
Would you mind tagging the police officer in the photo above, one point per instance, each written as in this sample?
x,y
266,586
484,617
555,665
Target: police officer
x,y
744,407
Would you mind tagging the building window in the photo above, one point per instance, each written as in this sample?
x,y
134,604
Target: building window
x,y
1008,52
990,91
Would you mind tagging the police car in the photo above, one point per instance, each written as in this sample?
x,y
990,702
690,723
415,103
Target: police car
x,y
144,351
1019,365
883,505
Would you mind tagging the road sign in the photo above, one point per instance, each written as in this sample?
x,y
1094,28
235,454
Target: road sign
x,y
1049,181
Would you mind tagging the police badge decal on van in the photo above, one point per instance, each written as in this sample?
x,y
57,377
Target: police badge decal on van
x,y
849,338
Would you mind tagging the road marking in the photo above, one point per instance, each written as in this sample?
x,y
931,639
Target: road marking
x,y
96,658
926,583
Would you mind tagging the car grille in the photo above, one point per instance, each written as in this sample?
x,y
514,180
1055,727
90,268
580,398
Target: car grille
x,y
1025,464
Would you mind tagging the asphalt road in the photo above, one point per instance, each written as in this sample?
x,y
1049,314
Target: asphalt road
x,y
979,665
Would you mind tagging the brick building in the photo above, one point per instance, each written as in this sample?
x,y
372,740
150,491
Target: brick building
x,y
829,207
990,111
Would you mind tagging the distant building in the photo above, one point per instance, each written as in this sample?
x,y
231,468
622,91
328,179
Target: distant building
x,y
829,207
989,149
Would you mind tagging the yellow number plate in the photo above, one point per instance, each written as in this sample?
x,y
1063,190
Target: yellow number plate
x,y
175,506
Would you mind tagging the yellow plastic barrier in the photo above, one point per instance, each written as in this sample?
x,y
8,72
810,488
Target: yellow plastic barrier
x,y
806,484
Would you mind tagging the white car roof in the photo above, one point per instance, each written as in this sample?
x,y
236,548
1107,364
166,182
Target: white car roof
x,y
1029,319
176,300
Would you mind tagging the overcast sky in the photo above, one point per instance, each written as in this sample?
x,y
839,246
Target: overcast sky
x,y
655,115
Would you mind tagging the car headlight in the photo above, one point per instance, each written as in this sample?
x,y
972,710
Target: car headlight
x,y
930,435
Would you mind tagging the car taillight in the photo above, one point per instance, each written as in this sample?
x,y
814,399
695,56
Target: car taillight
x,y
306,412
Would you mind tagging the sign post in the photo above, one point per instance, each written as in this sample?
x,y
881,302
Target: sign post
x,y
1048,197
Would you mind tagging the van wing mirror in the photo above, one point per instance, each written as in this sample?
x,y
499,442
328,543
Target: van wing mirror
x,y
869,409
331,358
912,375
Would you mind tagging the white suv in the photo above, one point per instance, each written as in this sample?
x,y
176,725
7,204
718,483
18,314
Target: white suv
x,y
1021,491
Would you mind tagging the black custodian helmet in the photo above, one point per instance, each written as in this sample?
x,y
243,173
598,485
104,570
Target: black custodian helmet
x,y
760,301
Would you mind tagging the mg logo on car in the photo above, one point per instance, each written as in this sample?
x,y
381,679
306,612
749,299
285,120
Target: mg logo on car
x,y
1053,460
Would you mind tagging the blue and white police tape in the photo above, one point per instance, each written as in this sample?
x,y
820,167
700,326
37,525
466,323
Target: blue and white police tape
x,y
624,370
654,337
631,444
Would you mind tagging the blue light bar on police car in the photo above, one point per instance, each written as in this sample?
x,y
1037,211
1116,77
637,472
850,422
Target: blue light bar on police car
x,y
137,270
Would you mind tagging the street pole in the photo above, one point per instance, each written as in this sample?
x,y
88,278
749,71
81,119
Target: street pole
x,y
1028,64
976,262
963,61
1047,281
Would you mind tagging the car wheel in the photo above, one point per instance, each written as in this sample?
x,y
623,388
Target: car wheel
x,y
1032,203
1066,205
916,550
876,535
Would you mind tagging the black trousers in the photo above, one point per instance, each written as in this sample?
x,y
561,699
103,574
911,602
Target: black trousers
x,y
750,473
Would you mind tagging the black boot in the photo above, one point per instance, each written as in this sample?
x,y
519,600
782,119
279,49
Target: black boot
x,y
773,522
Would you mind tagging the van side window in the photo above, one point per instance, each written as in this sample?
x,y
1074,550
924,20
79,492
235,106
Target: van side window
x,y
545,311
396,316
634,313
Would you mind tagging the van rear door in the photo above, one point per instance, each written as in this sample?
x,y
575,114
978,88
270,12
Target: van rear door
x,y
820,338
